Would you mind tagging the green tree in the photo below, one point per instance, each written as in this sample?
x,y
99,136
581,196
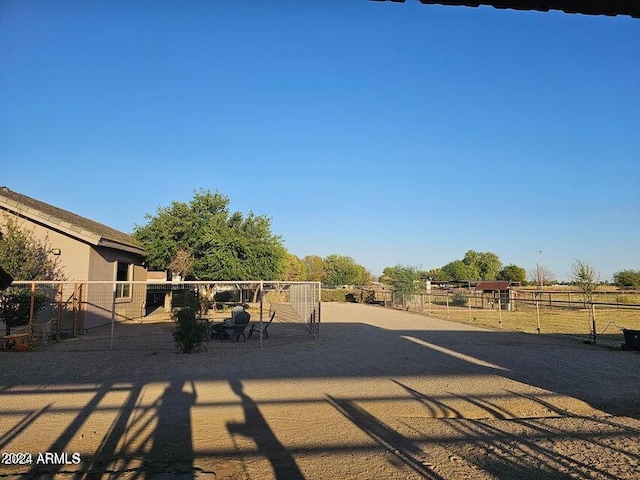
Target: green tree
x,y
294,269
585,276
513,273
314,268
482,265
627,278
210,242
24,258
458,270
403,278
436,274
343,270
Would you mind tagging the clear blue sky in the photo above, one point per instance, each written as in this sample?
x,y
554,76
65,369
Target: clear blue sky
x,y
392,133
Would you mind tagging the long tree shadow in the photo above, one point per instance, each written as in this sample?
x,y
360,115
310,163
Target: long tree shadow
x,y
513,453
172,449
394,443
256,427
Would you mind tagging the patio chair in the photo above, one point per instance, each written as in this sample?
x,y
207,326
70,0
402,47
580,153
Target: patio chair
x,y
262,327
239,328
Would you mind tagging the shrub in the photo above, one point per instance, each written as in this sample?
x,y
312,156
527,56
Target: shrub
x,y
338,295
15,306
623,299
459,299
189,332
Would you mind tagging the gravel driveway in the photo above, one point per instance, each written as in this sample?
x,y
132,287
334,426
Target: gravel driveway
x,y
383,394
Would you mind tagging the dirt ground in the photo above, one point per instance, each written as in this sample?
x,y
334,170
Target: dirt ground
x,y
383,394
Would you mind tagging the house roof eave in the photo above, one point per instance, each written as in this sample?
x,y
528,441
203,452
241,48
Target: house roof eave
x,y
120,246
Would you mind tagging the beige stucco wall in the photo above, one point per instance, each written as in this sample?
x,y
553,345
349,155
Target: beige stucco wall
x,y
81,262
74,256
99,298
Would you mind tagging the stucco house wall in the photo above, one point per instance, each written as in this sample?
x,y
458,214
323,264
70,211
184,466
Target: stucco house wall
x,y
88,251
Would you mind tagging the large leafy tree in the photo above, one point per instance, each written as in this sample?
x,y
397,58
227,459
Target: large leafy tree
x,y
24,257
294,269
210,243
458,270
343,270
482,265
513,273
314,268
627,278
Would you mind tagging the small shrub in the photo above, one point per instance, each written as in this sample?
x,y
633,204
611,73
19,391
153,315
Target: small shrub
x,y
459,299
189,332
15,306
363,295
338,295
623,299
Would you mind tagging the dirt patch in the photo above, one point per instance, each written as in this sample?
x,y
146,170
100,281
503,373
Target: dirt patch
x,y
383,394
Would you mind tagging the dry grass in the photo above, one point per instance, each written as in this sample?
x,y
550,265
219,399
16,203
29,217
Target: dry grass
x,y
609,321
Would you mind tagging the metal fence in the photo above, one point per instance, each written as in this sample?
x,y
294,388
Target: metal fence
x,y
103,312
541,313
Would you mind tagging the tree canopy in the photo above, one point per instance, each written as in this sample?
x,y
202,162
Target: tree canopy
x,y
25,257
343,270
482,265
402,278
585,276
627,278
513,273
458,270
208,242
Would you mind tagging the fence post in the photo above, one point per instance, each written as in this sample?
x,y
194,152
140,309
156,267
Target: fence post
x,y
74,323
447,297
593,321
538,316
113,312
500,312
262,306
469,303
31,310
59,312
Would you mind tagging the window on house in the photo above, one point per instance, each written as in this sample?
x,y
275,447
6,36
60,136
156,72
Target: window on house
x,y
123,274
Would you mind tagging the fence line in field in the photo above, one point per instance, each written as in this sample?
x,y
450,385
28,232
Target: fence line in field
x,y
594,320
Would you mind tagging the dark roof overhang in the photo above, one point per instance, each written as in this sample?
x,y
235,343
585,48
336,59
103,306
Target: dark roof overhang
x,y
589,7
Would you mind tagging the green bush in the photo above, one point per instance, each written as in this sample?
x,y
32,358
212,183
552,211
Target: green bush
x,y
189,333
184,299
459,299
337,295
15,306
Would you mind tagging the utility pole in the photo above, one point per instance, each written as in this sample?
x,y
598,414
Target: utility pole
x,y
540,270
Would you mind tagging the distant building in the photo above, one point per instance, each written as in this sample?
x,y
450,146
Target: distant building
x,y
500,290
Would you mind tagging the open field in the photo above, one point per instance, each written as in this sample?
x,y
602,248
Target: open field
x,y
558,321
384,394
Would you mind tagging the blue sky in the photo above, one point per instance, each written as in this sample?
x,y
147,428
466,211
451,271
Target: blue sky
x,y
392,133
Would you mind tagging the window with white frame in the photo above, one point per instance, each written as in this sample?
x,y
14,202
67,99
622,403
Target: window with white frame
x,y
123,274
